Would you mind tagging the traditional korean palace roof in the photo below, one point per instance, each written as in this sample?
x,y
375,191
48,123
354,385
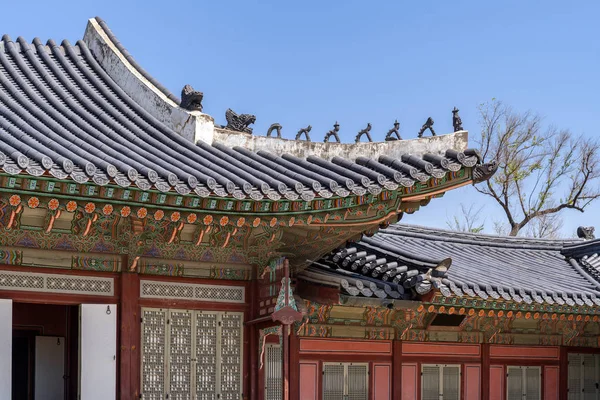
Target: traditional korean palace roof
x,y
84,129
408,262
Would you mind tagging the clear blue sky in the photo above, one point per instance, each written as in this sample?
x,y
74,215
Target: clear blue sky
x,y
315,62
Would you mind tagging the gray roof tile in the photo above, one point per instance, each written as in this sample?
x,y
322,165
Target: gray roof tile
x,y
61,113
519,269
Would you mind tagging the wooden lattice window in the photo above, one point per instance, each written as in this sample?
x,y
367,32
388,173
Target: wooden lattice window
x,y
273,373
523,383
584,377
345,381
191,354
440,382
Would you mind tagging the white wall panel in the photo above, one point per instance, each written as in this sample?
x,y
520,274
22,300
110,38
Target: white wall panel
x,y
98,350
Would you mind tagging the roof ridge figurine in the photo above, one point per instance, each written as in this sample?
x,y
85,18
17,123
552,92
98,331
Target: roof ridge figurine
x,y
333,132
456,120
275,127
427,125
364,132
239,123
586,232
395,130
305,132
191,99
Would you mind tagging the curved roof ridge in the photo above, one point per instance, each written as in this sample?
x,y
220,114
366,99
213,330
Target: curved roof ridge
x,y
482,239
134,63
582,248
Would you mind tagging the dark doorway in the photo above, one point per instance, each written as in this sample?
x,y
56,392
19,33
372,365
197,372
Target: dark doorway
x,y
22,363
45,325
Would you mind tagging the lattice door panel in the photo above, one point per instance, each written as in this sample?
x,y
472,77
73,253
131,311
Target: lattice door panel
x,y
191,355
153,353
180,355
533,380
231,356
451,382
430,382
523,383
206,355
584,377
273,378
357,382
590,377
514,383
575,376
333,381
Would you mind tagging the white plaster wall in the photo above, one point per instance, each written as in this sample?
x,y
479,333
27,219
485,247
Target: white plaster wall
x,y
430,144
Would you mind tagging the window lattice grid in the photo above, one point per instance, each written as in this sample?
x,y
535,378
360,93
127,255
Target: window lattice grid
x,y
180,355
153,354
175,290
206,356
231,356
56,283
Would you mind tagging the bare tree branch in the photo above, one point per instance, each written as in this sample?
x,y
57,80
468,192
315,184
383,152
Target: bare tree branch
x,y
541,171
469,220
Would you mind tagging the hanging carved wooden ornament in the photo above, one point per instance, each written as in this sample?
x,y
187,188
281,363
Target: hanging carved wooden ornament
x,y
286,310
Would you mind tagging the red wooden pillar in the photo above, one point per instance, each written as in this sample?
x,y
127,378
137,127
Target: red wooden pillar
x,y
129,337
485,370
294,367
396,369
563,383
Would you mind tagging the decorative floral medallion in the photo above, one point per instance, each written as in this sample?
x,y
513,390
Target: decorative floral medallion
x,y
191,218
273,222
14,200
224,220
142,212
176,216
208,220
240,222
89,208
291,221
71,206
125,211
256,222
159,214
33,202
53,204
107,209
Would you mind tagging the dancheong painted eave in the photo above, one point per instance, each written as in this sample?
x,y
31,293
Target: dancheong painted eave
x,y
65,114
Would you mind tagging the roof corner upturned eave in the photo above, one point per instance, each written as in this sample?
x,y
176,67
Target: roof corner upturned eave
x,y
142,87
